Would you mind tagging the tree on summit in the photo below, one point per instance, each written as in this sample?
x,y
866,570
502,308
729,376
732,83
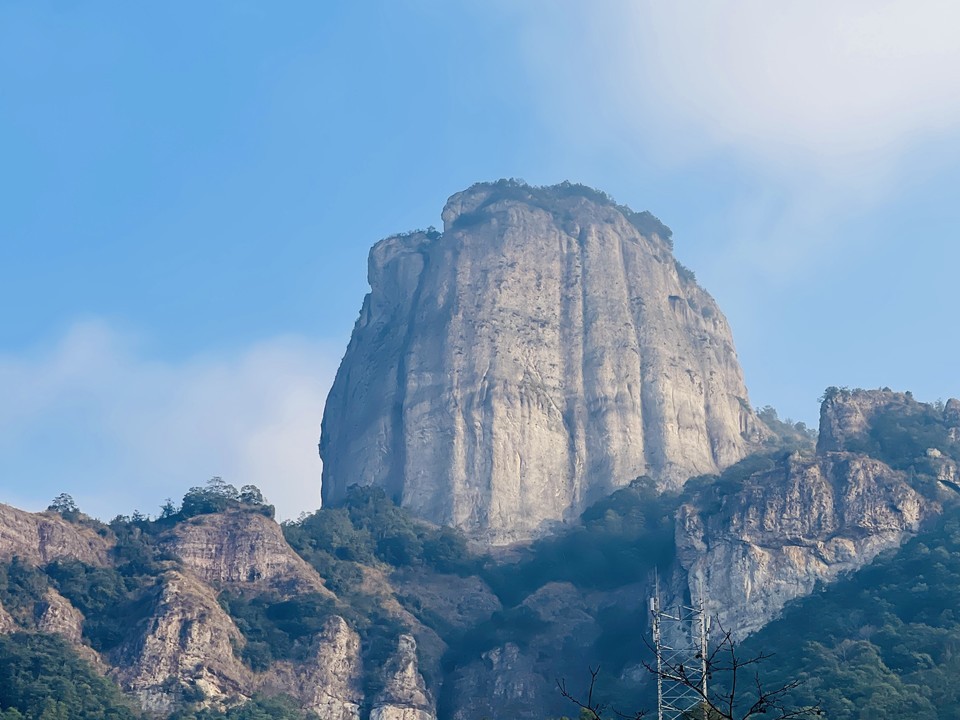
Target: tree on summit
x,y
64,504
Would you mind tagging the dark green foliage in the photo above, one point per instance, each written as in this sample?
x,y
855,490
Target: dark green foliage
x,y
684,272
42,678
277,629
65,505
112,602
517,625
546,196
137,552
790,435
901,436
621,540
884,642
260,707
22,587
218,496
369,527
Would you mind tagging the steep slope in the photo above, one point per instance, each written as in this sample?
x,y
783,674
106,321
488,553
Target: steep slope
x,y
43,537
804,522
542,351
885,465
882,642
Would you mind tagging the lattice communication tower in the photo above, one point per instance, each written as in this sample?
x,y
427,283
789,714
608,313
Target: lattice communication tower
x,y
680,636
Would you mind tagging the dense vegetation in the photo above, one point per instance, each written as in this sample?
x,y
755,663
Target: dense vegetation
x,y
260,707
901,433
881,643
43,678
621,539
884,642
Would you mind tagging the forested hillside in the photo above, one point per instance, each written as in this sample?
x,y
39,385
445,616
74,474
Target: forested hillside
x,y
210,610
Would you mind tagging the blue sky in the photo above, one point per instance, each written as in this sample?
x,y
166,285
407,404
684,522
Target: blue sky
x,y
189,192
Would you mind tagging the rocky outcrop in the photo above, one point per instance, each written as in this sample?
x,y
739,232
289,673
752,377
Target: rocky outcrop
x,y
519,679
40,538
505,682
803,523
545,349
58,617
241,547
330,683
404,695
184,651
7,623
951,415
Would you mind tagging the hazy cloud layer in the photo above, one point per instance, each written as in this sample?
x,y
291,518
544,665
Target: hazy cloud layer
x,y
825,108
815,84
96,417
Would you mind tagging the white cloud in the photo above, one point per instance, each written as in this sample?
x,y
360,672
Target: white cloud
x,y
814,83
95,417
815,112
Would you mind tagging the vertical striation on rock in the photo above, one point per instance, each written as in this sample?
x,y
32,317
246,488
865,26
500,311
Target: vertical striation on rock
x,y
187,648
329,683
404,695
542,351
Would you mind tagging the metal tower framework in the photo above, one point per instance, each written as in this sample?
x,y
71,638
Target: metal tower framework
x,y
680,636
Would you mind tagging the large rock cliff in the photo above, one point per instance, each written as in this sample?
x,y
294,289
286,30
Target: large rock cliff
x,y
804,523
545,349
241,547
45,537
882,468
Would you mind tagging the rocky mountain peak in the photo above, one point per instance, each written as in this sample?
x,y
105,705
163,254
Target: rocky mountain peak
x,y
543,350
846,415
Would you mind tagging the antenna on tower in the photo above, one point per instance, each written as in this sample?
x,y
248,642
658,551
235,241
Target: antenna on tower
x,y
680,638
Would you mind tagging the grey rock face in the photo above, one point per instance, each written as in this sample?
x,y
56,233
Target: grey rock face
x,y
404,695
540,353
7,623
329,685
57,616
40,538
240,547
188,643
807,521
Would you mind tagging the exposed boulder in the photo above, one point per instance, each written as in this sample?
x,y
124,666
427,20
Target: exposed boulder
x,y
7,623
330,682
57,616
805,522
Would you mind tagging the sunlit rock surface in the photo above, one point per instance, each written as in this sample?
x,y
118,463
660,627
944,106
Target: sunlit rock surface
x,y
542,351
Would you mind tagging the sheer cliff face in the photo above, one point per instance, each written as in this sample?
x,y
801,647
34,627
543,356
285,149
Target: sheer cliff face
x,y
815,517
538,354
806,522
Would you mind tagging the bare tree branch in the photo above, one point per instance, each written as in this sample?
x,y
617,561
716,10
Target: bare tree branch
x,y
727,703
